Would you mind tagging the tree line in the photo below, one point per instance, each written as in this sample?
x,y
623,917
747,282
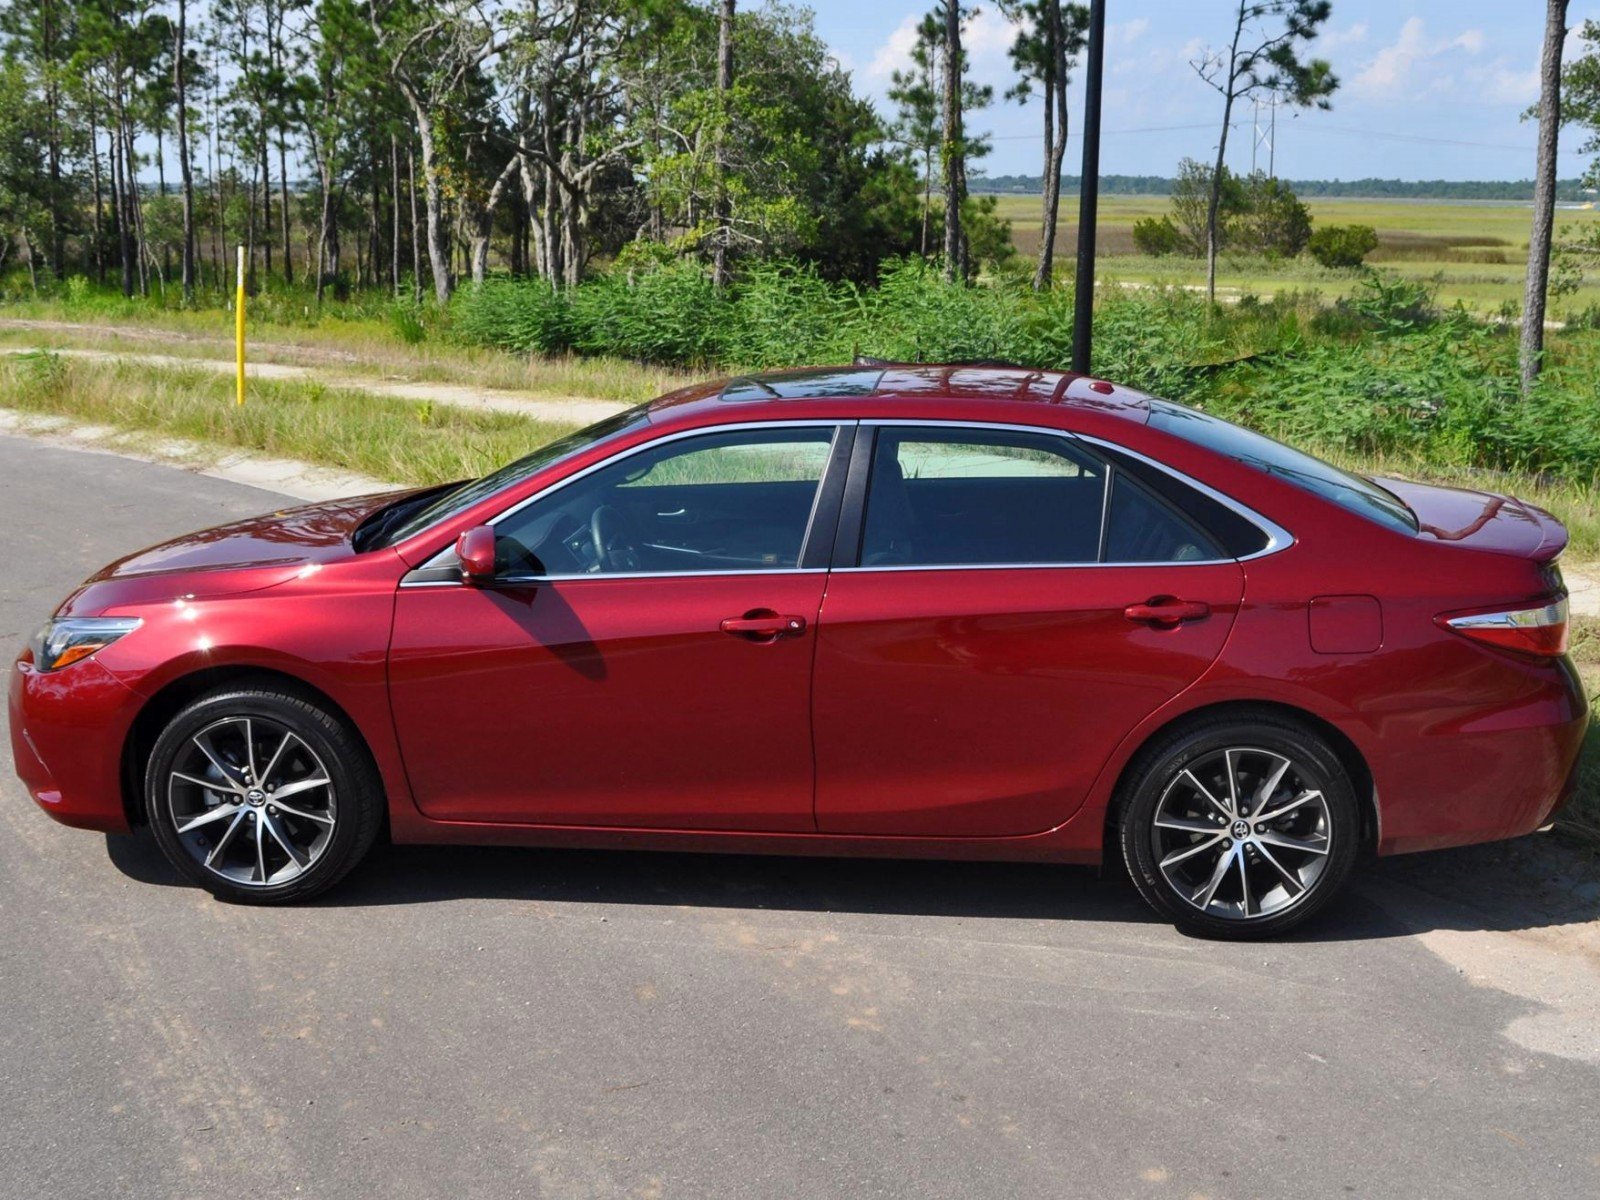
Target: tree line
x,y
417,143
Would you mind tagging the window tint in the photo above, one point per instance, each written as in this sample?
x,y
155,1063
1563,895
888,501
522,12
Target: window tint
x,y
1144,527
737,501
1348,491
461,498
975,497
1233,535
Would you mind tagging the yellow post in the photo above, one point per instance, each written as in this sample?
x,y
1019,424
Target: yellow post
x,y
238,326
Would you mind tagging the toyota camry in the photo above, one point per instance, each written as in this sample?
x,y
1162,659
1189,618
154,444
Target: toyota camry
x,y
877,610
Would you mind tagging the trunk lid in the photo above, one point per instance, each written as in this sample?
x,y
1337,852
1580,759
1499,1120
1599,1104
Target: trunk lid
x,y
1481,520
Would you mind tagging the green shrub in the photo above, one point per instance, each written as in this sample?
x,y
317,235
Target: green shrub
x,y
1342,246
406,319
526,316
672,316
1157,236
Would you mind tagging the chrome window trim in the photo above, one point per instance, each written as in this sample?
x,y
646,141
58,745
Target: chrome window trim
x,y
1278,538
444,560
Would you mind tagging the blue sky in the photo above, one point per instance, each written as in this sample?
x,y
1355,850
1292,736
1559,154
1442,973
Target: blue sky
x,y
1430,88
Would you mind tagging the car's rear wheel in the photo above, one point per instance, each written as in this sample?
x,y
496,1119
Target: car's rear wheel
x,y
261,795
1240,829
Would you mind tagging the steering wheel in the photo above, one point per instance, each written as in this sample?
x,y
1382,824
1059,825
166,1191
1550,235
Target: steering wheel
x,y
615,547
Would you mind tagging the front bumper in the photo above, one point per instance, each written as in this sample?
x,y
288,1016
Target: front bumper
x,y
68,728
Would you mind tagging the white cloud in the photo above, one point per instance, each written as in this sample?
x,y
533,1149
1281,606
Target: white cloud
x,y
987,38
1407,68
1128,32
988,34
1335,39
895,54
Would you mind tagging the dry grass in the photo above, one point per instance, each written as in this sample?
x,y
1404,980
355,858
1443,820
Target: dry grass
x,y
311,422
366,348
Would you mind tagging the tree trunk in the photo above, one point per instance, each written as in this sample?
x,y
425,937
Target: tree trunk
x,y
325,224
266,202
1544,193
724,214
119,207
52,95
99,203
1055,141
283,205
433,202
394,214
27,248
416,229
1214,200
955,266
185,173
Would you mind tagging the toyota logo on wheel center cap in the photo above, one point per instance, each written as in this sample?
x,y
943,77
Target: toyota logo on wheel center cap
x,y
1241,829
255,796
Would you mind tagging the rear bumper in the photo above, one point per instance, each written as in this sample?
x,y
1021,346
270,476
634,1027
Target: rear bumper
x,y
67,733
1489,776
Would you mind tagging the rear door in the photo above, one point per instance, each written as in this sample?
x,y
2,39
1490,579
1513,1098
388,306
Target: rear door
x,y
1009,607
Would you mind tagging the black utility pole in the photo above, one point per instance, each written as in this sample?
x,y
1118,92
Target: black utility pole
x,y
1089,192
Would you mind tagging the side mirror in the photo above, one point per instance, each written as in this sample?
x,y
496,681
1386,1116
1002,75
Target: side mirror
x,y
475,550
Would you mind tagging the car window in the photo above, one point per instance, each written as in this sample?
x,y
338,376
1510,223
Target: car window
x,y
954,497
1144,527
1151,507
1351,492
461,498
734,501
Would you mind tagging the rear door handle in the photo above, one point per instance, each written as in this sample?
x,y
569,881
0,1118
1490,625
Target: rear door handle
x,y
763,624
1167,611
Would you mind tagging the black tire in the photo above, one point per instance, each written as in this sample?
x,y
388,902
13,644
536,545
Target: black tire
x,y
1209,837
197,778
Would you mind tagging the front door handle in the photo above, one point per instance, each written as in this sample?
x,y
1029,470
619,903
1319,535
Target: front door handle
x,y
762,624
1166,611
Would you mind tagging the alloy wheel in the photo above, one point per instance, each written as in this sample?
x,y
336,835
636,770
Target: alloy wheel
x,y
1243,833
251,801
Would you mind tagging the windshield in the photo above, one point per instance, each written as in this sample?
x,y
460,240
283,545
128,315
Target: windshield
x,y
1351,492
466,495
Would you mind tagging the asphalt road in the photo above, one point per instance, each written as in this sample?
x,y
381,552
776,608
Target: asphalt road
x,y
460,1023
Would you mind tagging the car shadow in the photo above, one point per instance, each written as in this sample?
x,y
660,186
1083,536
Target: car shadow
x,y
1533,883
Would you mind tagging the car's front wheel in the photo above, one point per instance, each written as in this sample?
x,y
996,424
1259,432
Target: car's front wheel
x,y
261,795
1240,828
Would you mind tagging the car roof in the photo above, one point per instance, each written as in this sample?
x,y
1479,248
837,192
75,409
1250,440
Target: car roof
x,y
877,382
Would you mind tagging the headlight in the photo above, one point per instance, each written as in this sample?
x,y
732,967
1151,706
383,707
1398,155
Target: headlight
x,y
66,640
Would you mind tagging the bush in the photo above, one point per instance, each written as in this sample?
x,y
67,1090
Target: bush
x,y
1342,246
526,316
673,316
1273,221
1157,236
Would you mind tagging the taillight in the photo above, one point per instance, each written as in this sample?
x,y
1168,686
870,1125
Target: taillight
x,y
1541,630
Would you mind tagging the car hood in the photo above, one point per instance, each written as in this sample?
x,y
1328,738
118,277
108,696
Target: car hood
x,y
241,556
1481,520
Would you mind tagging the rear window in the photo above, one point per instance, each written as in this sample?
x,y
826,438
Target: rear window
x,y
1350,492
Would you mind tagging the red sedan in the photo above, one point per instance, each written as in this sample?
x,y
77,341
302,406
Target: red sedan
x,y
963,612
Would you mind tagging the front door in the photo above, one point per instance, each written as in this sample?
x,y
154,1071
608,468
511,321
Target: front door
x,y
1019,606
645,660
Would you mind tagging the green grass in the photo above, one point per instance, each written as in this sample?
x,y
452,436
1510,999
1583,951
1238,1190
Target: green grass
x,y
310,422
1475,250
